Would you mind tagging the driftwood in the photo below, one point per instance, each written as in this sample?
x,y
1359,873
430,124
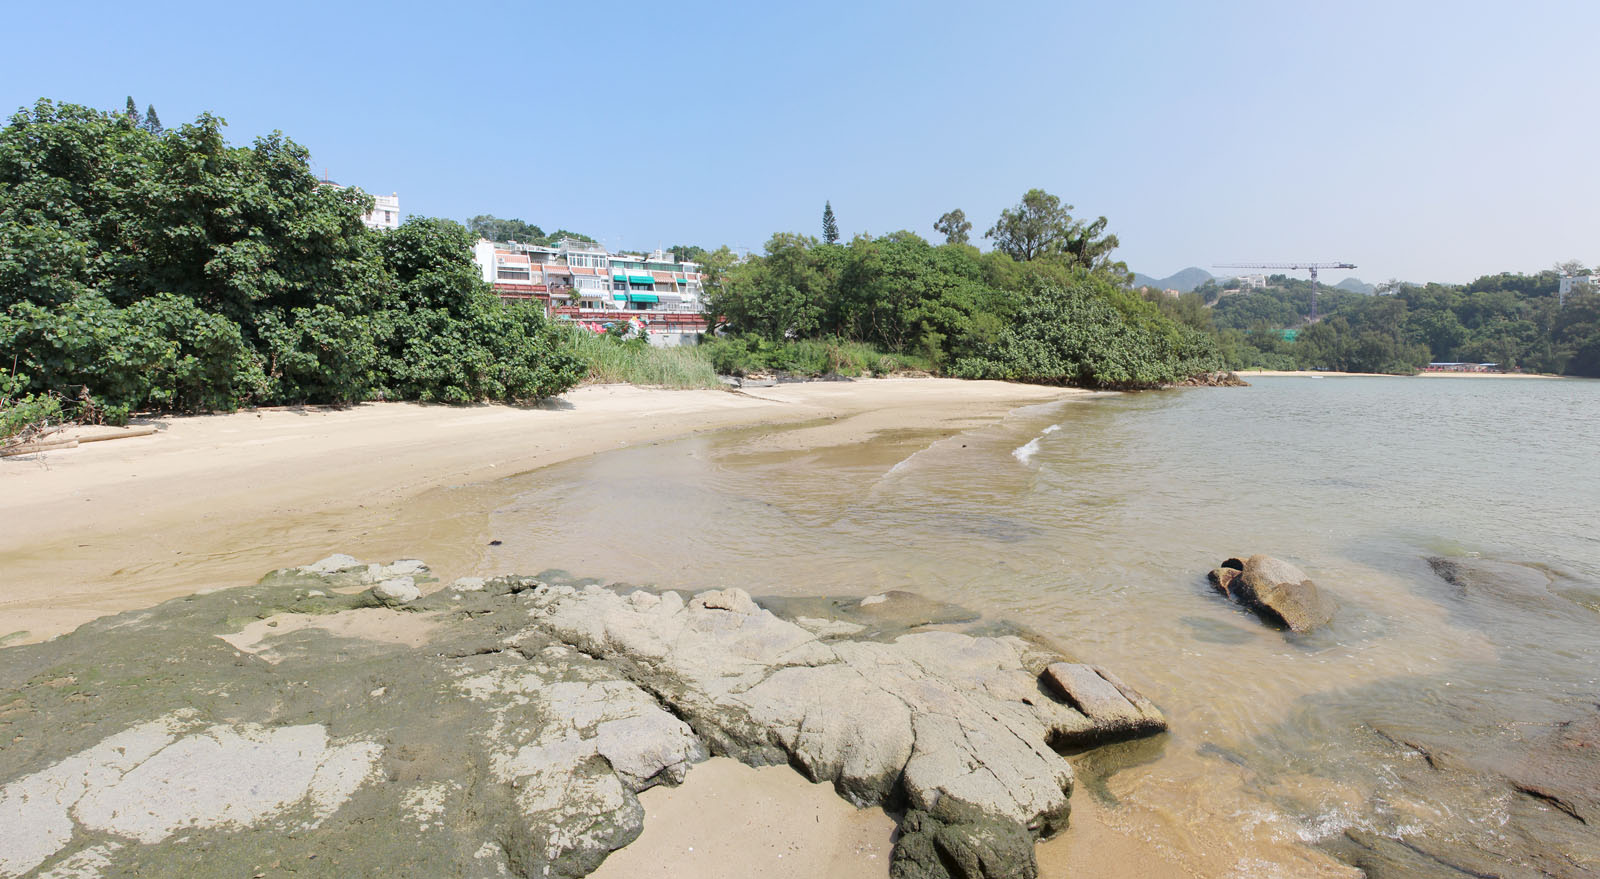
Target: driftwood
x,y
117,434
30,448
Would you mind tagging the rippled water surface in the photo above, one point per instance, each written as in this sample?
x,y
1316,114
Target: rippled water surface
x,y
1094,522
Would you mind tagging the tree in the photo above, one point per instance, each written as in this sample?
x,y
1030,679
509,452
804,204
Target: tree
x,y
133,111
954,226
830,226
183,273
496,229
152,122
1038,226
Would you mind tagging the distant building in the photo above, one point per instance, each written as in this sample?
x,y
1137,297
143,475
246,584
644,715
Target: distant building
x,y
581,281
1462,367
1252,282
385,214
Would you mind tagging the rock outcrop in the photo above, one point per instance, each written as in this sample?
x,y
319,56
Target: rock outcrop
x,y
1277,591
520,731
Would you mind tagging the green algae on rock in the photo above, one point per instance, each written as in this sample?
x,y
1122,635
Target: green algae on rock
x,y
515,720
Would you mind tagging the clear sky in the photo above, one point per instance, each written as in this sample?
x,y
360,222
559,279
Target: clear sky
x,y
1419,140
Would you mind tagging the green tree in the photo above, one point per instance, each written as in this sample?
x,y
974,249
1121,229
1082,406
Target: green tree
x,y
132,112
179,272
1042,227
496,229
1037,226
830,226
152,122
954,226
779,296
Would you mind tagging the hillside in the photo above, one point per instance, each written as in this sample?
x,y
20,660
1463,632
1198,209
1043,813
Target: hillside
x,y
1356,285
1183,281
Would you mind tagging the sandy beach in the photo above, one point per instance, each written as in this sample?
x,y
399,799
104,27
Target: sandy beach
x,y
219,500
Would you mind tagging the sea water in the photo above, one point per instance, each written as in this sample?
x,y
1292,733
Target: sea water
x,y
1094,520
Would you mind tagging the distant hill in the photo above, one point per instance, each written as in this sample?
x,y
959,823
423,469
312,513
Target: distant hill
x,y
1183,281
1356,285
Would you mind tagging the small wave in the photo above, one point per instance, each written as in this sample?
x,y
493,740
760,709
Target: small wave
x,y
1026,452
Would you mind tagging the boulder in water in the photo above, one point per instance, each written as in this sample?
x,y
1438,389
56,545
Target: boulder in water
x,y
1276,590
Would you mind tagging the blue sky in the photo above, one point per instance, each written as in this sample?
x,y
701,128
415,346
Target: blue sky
x,y
1418,140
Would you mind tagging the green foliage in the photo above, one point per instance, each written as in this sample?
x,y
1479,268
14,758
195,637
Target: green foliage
x,y
496,229
1042,227
1516,321
172,271
1090,332
610,360
25,416
954,226
830,226
744,355
954,309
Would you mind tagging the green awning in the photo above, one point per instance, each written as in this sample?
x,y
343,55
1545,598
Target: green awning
x,y
643,297
619,276
641,279
620,297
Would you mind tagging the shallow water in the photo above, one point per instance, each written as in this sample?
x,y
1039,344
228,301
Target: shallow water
x,y
1094,522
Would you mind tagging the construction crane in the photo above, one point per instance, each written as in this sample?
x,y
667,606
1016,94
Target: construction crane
x,y
1311,267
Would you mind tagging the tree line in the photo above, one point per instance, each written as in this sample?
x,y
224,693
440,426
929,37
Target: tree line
x,y
1520,322
1047,304
143,267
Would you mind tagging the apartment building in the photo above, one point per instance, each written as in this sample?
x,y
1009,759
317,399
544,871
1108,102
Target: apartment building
x,y
581,281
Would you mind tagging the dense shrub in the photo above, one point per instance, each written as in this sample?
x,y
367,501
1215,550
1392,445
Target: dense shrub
x,y
1077,334
172,271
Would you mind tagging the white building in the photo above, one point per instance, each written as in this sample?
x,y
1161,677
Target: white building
x,y
582,281
385,214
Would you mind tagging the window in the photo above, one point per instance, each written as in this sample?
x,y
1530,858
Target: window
x,y
513,273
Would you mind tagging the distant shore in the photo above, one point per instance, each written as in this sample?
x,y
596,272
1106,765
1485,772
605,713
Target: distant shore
x,y
1246,373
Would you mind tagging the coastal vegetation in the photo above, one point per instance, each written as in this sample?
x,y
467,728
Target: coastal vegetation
x,y
150,268
1048,304
1520,322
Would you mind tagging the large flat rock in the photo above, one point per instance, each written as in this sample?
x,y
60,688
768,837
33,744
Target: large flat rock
x,y
511,733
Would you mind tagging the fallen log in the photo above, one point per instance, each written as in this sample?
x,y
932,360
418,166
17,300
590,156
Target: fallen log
x,y
116,434
30,448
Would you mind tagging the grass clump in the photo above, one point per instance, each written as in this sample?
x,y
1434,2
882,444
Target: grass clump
x,y
746,354
612,359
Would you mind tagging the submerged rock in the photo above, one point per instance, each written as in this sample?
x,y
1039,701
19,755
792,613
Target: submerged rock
x,y
1276,590
516,728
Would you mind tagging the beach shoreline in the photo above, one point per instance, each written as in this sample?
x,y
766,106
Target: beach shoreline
x,y
217,500
1317,373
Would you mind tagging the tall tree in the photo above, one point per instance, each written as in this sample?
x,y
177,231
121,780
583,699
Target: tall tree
x,y
1037,226
954,226
1041,226
133,110
830,226
152,122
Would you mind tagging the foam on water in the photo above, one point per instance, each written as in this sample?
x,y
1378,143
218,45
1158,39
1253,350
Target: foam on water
x,y
1025,453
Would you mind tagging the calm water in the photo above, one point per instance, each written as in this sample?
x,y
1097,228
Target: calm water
x,y
1094,522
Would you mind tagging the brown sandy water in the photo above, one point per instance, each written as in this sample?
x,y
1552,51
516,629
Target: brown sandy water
x,y
1094,521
